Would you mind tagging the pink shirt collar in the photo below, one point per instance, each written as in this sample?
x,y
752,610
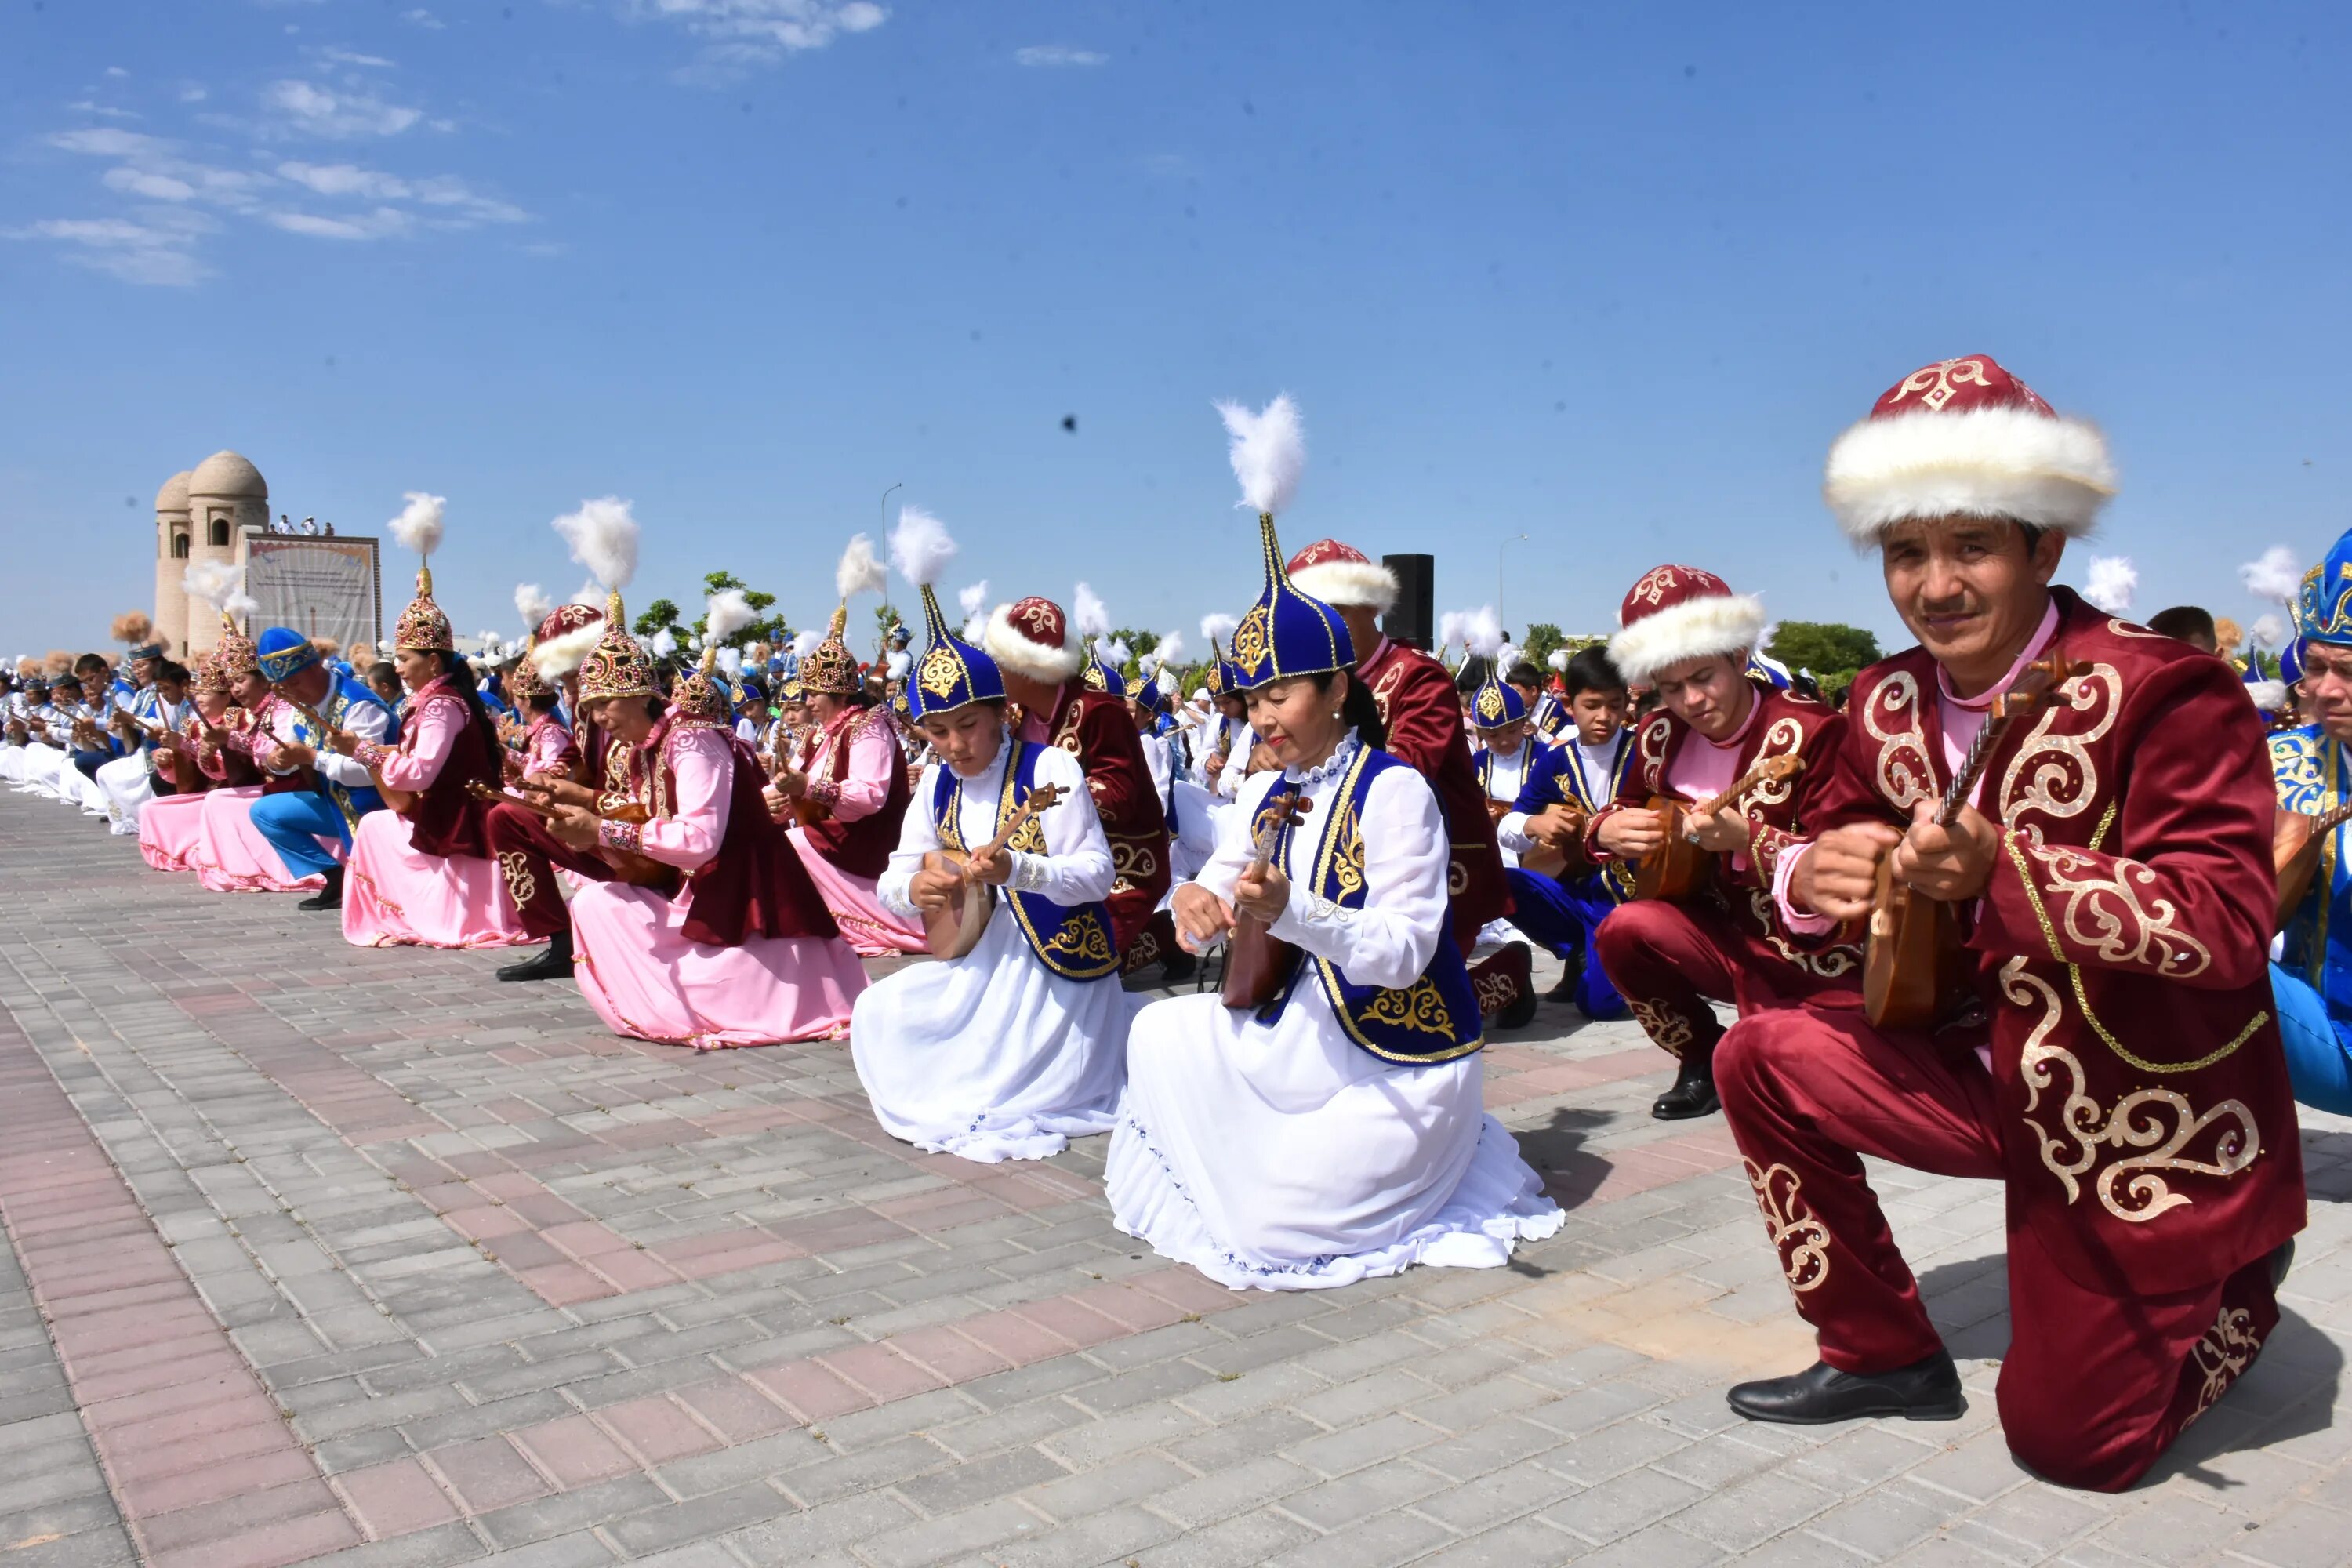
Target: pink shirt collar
x,y
2033,647
1732,742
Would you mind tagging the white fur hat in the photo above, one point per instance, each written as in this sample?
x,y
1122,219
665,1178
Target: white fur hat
x,y
1035,638
1341,575
1676,613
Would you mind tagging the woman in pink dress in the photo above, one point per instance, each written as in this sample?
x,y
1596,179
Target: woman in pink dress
x,y
421,875
171,824
739,951
847,787
230,856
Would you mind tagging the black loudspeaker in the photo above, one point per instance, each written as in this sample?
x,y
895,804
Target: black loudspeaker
x,y
1413,619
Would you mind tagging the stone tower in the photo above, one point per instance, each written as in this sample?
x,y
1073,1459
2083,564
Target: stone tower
x,y
171,561
225,493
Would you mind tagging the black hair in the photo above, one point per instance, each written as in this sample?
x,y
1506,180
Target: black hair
x,y
1473,673
1359,710
1591,669
91,661
383,670
2183,621
542,702
1524,673
460,676
167,670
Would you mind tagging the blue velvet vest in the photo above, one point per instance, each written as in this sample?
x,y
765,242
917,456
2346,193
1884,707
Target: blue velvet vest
x,y
2315,775
1075,943
1435,1019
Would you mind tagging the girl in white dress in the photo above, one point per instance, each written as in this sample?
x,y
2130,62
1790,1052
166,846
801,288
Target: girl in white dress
x,y
1014,1048
1338,1132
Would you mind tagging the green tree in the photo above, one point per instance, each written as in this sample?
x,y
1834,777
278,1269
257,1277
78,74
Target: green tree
x,y
1542,637
770,629
1138,642
659,614
1830,651
886,616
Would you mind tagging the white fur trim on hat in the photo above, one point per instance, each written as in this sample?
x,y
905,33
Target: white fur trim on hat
x,y
2270,696
561,655
1986,462
1720,623
1365,585
1016,653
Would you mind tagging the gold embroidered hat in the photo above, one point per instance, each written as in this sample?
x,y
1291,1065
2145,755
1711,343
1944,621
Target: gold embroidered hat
x,y
616,666
422,628
831,670
702,698
951,673
212,679
523,682
235,653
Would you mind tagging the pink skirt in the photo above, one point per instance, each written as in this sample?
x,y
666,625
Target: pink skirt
x,y
170,828
646,980
232,857
866,922
395,895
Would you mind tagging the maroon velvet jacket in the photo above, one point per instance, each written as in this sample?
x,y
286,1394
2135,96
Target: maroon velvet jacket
x,y
755,886
861,848
1423,714
444,819
2122,948
1095,728
1791,966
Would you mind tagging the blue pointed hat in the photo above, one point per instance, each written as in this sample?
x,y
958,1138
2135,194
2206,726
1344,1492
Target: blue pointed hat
x,y
2323,608
285,652
1286,634
952,673
1495,704
1101,675
2291,662
1764,667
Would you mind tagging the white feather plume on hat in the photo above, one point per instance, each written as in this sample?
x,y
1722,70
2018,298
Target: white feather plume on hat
x,y
418,526
921,548
727,613
532,602
603,535
1268,451
1088,615
861,571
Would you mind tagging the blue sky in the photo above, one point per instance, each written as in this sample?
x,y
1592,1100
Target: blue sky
x,y
1610,277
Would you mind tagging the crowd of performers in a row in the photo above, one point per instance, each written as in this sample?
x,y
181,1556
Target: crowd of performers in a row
x,y
2009,914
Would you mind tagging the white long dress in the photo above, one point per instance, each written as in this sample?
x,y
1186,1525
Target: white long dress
x,y
1286,1157
994,1056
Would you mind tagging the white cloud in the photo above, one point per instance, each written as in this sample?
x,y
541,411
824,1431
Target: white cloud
x,y
309,109
116,70
383,223
1050,55
154,186
464,204
746,33
346,57
102,142
194,92
86,107
158,252
421,18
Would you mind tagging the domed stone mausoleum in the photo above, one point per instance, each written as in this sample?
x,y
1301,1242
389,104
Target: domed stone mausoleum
x,y
220,511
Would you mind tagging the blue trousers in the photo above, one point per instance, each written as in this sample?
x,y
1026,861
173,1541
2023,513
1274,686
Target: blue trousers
x,y
2318,1047
1560,918
294,823
88,763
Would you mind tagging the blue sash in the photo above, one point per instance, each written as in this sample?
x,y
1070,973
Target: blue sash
x,y
1435,1019
1075,943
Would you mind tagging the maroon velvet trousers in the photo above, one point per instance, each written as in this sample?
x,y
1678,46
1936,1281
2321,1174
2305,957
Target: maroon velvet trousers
x,y
527,856
2094,1387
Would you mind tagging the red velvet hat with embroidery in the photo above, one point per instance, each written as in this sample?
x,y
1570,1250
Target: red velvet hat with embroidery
x,y
1034,637
1341,573
567,636
1677,613
1965,437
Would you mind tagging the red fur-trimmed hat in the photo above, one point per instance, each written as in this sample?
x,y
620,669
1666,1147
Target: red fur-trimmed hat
x,y
1675,612
1341,574
1964,436
1035,638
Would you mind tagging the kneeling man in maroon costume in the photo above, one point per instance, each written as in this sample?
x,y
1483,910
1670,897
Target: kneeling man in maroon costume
x,y
2113,1059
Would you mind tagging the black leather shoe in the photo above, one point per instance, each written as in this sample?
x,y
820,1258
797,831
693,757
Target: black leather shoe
x,y
330,897
1565,991
552,961
1178,967
2282,1259
1927,1390
1694,1090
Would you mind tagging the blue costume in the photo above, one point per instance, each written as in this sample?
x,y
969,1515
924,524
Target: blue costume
x,y
2312,976
295,821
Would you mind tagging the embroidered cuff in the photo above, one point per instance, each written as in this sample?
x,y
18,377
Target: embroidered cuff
x,y
1764,846
1030,872
1593,849
610,801
626,836
370,755
826,793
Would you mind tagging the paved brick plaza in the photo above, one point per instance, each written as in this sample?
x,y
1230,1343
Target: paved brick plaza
x,y
328,1254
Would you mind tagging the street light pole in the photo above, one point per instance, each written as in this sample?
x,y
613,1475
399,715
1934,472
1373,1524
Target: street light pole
x,y
1499,569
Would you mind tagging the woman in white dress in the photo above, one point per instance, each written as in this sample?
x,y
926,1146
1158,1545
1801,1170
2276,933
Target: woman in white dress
x,y
1014,1048
1338,1132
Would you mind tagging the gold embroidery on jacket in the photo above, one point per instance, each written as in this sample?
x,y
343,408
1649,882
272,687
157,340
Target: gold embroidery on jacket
x,y
2158,1120
1421,1009
2223,1352
1667,1029
1892,716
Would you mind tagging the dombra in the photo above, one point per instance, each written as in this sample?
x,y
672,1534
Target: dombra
x,y
628,865
400,800
1915,972
1257,963
2296,840
956,928
1679,868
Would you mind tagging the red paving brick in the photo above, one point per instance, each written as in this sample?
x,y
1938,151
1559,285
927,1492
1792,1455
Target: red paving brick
x,y
395,1499
656,1430
881,1372
738,1411
810,1391
489,1474
574,1450
950,1355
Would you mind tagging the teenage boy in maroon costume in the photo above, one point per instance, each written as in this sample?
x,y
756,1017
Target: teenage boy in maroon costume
x,y
1042,657
1423,713
2118,1067
1685,633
